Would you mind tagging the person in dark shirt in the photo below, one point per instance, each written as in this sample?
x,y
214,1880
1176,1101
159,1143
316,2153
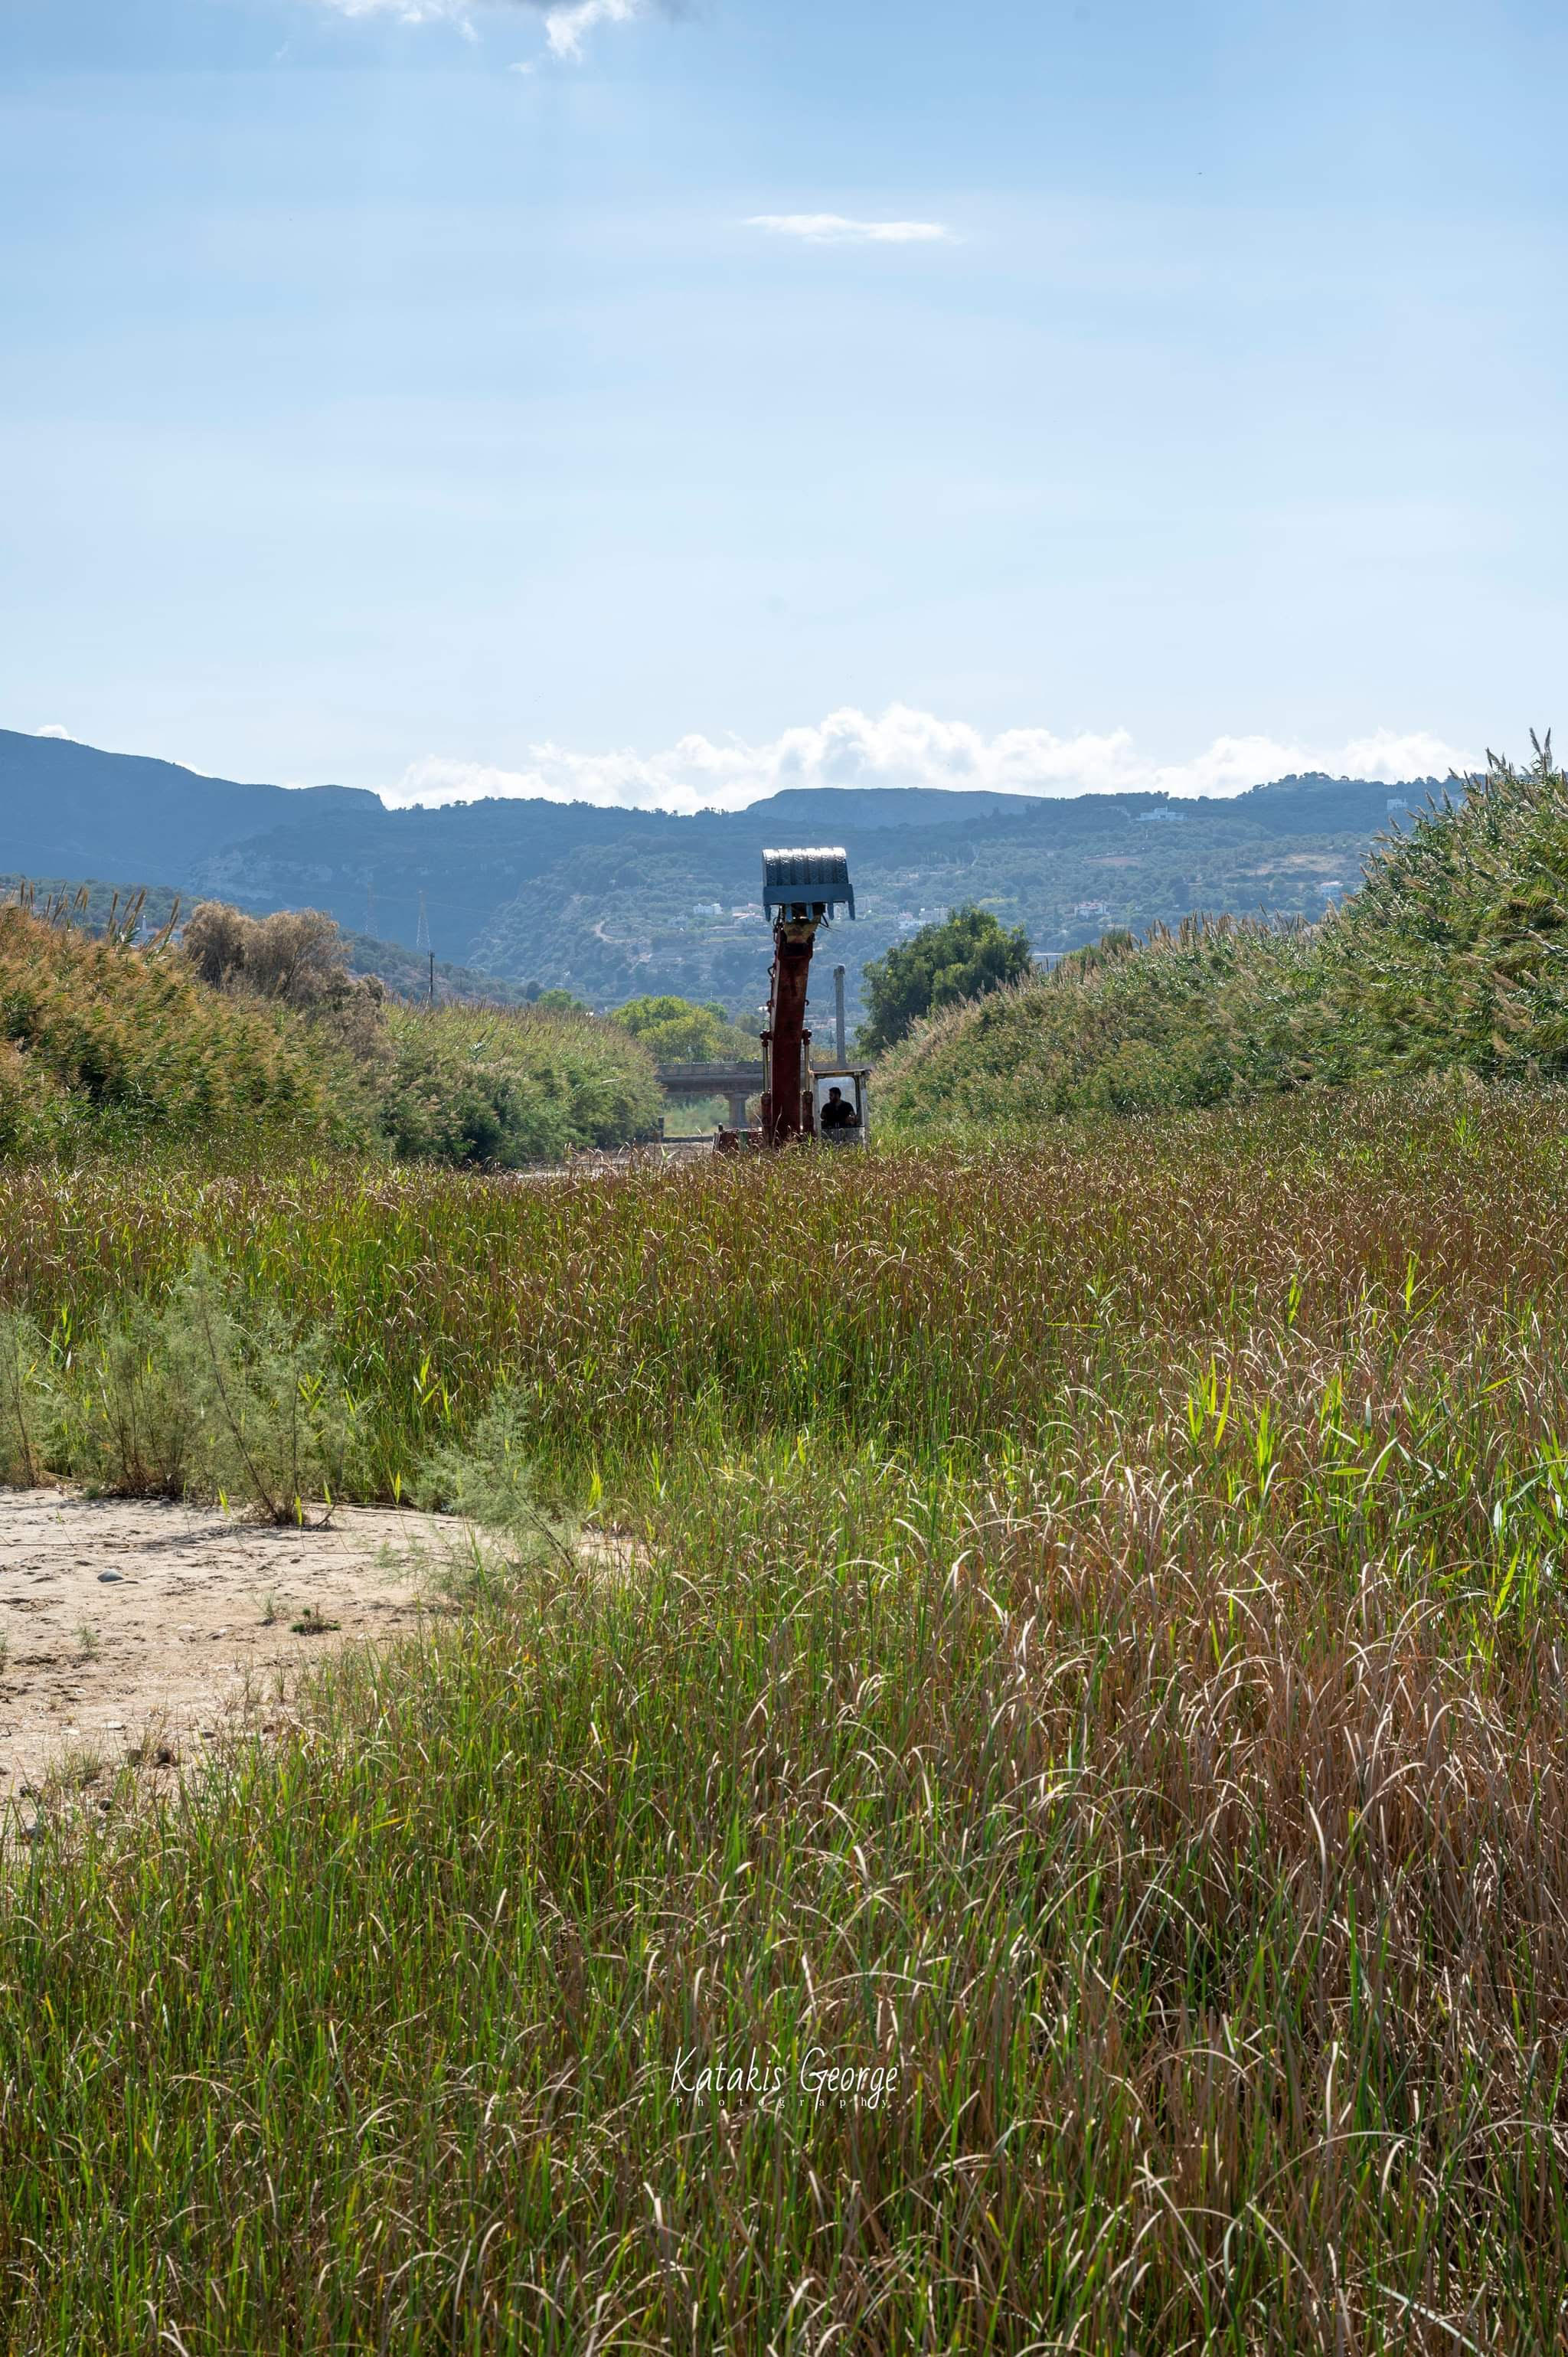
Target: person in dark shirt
x,y
838,1113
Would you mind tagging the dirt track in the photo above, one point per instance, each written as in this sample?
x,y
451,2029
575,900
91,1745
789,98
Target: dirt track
x,y
129,1625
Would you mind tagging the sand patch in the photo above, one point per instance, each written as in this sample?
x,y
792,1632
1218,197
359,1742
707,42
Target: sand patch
x,y
136,1626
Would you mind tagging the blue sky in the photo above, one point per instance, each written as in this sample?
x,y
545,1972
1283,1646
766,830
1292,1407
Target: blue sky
x,y
450,398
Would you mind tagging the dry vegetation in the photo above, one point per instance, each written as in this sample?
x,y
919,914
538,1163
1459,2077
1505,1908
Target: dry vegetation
x,y
250,1034
101,1043
1450,956
1098,1647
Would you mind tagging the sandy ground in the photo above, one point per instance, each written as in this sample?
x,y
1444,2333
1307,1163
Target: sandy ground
x,y
130,1627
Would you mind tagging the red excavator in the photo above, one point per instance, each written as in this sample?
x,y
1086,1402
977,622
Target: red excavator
x,y
800,890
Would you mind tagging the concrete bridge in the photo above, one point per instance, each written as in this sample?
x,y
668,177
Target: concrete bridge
x,y
735,1082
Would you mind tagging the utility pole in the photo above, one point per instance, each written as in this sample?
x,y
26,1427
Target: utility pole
x,y
838,1013
422,941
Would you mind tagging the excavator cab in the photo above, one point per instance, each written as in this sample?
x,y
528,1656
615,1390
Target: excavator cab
x,y
842,1095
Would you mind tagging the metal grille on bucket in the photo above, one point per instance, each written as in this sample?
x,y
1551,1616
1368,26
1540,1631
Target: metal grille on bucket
x,y
812,881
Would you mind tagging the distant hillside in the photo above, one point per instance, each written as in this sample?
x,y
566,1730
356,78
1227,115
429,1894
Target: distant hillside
x,y
1452,955
407,971
613,904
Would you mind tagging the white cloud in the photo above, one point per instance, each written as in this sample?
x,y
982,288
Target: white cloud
x,y
408,12
564,27
906,748
837,229
54,729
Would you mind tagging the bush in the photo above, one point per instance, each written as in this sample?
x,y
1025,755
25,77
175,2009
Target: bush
x,y
680,1031
502,1087
198,1395
507,1088
1183,1020
1456,949
1453,955
253,1030
296,954
296,957
965,956
494,1480
554,1002
101,1043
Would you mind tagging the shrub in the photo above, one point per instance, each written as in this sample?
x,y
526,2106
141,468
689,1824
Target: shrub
x,y
200,1394
965,956
294,954
1180,1021
502,1087
1454,954
493,1479
297,958
508,1087
1456,949
253,1030
554,1002
680,1031
101,1042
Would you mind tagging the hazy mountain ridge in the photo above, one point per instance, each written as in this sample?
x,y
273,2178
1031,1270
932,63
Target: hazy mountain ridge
x,y
612,902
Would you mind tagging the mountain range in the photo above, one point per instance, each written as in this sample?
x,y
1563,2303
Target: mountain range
x,y
609,903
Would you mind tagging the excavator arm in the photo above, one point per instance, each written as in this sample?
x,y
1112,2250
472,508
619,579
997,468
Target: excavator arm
x,y
800,890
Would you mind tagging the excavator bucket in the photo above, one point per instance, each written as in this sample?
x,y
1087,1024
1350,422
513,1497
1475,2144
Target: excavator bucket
x,y
804,886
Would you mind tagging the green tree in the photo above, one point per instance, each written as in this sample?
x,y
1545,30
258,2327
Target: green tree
x,y
969,953
680,1031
